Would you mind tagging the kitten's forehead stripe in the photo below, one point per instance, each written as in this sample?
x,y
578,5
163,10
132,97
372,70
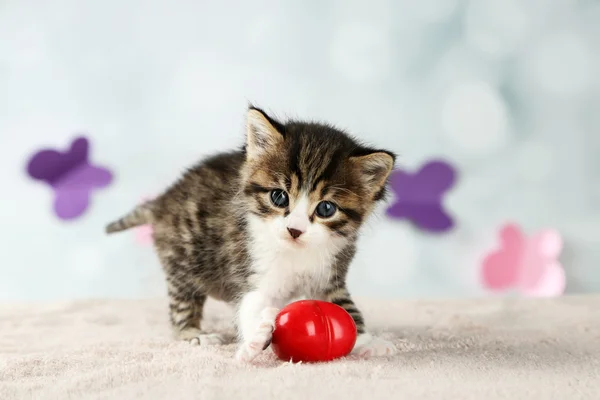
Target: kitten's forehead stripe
x,y
313,161
294,157
329,162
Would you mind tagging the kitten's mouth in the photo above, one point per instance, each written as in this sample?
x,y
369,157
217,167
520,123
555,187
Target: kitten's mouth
x,y
294,243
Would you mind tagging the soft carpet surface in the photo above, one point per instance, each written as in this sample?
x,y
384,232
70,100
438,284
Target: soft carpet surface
x,y
476,349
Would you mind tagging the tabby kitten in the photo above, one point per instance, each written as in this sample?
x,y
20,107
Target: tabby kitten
x,y
261,226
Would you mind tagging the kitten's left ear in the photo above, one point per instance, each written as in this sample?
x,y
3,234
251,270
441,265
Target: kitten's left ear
x,y
374,168
262,133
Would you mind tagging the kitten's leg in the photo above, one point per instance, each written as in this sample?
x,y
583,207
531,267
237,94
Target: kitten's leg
x,y
256,322
366,344
185,313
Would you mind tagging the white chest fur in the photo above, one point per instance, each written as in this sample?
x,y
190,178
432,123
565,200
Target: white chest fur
x,y
285,271
286,274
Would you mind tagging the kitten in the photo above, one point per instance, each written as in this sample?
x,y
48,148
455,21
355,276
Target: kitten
x,y
266,224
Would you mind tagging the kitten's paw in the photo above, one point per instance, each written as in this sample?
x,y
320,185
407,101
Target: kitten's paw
x,y
207,339
368,346
268,315
187,334
261,338
260,341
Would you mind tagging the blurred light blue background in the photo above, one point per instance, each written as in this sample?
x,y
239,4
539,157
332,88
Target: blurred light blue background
x,y
507,90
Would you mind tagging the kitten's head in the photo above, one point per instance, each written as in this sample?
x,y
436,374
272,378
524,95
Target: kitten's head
x,y
308,184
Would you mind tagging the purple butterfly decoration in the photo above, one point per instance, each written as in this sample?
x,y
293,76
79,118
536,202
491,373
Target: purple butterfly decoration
x,y
71,175
419,195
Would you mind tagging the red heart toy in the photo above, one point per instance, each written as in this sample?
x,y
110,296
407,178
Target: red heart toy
x,y
312,331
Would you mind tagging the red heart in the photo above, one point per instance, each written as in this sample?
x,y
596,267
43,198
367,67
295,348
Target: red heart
x,y
312,331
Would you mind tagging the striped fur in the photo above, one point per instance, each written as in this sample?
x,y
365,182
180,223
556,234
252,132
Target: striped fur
x,y
140,215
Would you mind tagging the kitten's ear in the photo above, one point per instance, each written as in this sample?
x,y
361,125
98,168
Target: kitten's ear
x,y
262,133
374,168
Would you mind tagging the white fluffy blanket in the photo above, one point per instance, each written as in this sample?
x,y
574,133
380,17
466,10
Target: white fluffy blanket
x,y
469,349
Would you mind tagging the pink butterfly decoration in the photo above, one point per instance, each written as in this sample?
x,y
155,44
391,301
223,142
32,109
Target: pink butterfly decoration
x,y
529,265
144,233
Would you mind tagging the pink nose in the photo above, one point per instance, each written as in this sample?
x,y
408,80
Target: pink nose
x,y
295,233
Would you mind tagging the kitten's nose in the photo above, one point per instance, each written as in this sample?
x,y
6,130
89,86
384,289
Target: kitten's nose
x,y
295,233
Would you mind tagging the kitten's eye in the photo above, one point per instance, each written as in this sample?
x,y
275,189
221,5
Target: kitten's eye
x,y
280,198
325,209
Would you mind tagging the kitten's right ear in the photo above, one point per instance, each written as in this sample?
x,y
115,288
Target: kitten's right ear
x,y
262,133
374,167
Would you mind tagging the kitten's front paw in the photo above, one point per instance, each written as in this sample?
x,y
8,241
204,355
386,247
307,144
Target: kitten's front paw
x,y
261,338
207,339
368,346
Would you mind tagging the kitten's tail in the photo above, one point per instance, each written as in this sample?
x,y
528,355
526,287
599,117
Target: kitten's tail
x,y
140,215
